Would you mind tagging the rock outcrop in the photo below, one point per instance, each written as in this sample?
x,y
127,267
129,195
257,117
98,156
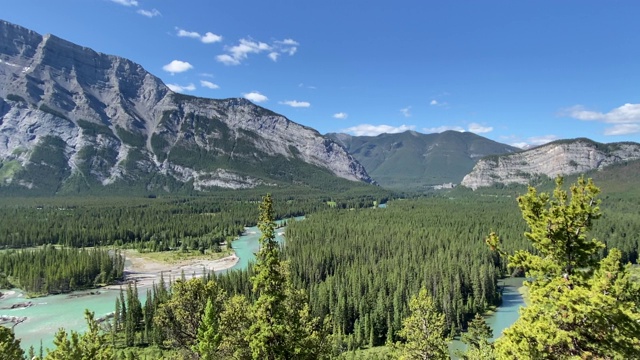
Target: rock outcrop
x,y
87,117
564,157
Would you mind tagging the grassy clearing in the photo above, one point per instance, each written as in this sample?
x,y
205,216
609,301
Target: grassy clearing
x,y
172,257
374,353
8,169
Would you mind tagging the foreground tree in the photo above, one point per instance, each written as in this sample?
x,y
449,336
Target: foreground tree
x,y
181,316
477,340
92,345
9,345
424,331
580,308
282,327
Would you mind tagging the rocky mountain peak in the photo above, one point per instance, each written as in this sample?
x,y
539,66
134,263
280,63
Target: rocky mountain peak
x,y
103,119
564,157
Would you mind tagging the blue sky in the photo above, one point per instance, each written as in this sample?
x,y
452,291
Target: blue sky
x,y
519,72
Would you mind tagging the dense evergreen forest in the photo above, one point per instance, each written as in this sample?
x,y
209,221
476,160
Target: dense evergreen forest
x,y
153,224
364,274
49,270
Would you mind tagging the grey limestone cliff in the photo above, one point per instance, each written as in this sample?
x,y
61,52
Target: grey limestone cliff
x,y
104,119
563,157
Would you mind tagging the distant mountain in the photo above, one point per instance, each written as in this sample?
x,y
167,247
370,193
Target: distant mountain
x,y
72,119
563,157
412,160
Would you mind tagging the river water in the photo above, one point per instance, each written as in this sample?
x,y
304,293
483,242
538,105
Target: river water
x,y
50,313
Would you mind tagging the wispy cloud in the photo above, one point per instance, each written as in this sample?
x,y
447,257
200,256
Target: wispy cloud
x,y
479,129
255,97
296,104
340,115
181,88
240,52
626,118
177,66
531,141
301,85
434,102
227,59
287,46
622,129
406,111
209,84
126,2
443,128
207,38
149,13
373,130
274,56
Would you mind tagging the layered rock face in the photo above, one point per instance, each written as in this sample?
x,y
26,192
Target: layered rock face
x,y
106,120
564,157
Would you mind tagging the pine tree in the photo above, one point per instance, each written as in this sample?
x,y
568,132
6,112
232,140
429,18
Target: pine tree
x,y
268,333
579,307
477,340
9,345
282,327
424,330
209,336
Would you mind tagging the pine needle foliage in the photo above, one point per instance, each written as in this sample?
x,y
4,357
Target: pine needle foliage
x,y
580,307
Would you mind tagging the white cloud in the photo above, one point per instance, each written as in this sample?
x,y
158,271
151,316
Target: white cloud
x,y
521,145
181,88
126,2
255,97
273,56
434,102
210,38
177,66
296,103
149,13
209,84
626,118
340,115
238,53
479,129
442,128
373,130
288,42
406,111
627,113
207,38
189,34
227,59
622,129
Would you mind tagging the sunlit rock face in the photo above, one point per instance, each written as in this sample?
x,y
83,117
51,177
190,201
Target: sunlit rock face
x,y
105,119
564,157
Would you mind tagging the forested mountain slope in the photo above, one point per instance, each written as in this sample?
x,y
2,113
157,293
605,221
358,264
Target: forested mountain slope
x,y
72,119
412,160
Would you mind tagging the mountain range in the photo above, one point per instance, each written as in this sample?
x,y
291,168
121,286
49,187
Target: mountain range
x,y
73,119
413,160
